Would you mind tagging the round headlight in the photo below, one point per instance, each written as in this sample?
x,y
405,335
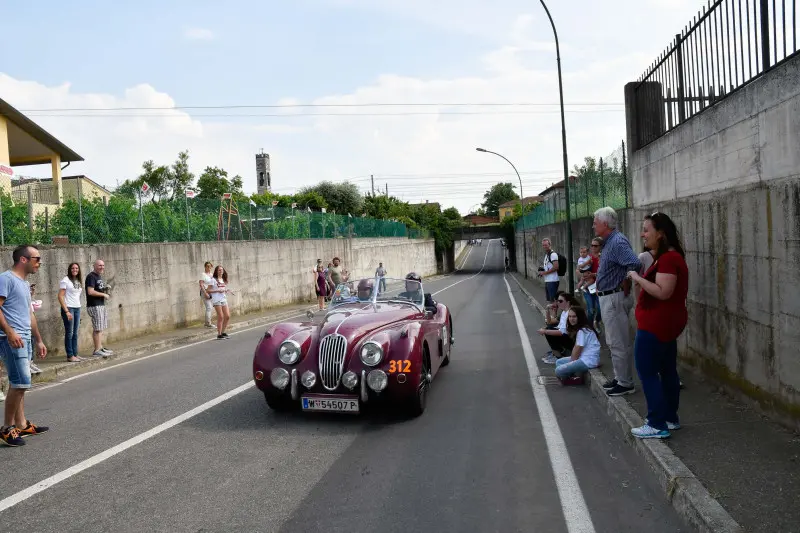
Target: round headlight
x,y
289,352
308,379
350,379
377,380
279,377
371,353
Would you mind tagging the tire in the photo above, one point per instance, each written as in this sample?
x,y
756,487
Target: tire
x,y
446,344
279,402
420,400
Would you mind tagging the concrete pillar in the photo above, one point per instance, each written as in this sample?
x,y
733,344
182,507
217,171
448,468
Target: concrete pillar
x,y
55,163
5,155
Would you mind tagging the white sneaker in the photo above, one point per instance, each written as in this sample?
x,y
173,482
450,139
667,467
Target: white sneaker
x,y
647,432
35,369
106,351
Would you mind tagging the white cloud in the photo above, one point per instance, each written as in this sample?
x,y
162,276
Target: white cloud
x,y
199,34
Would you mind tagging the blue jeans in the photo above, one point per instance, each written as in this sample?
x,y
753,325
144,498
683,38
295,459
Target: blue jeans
x,y
551,290
71,328
17,362
592,306
657,366
565,367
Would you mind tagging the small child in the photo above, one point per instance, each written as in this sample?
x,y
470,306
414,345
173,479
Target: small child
x,y
584,266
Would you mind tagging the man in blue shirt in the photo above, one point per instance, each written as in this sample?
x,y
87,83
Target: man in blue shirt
x,y
613,288
17,326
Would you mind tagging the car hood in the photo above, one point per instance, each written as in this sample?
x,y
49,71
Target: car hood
x,y
353,321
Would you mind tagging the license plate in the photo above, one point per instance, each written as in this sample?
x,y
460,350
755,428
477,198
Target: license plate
x,y
330,403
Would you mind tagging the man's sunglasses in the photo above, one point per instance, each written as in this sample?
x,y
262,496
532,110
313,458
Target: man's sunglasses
x,y
37,258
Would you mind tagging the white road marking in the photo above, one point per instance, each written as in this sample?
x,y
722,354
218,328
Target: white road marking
x,y
45,484
486,256
146,357
573,504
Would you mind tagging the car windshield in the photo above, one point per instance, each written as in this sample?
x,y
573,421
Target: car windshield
x,y
378,290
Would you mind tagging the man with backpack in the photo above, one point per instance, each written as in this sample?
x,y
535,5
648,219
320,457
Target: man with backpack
x,y
554,265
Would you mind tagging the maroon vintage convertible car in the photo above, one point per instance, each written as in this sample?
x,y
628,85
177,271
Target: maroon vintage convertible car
x,y
380,340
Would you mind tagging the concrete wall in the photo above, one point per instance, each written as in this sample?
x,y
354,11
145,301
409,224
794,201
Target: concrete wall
x,y
729,178
155,286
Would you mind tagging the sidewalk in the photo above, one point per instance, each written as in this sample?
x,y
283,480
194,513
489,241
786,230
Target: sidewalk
x,y
749,464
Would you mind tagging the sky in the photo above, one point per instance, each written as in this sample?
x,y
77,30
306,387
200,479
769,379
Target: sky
x,y
333,89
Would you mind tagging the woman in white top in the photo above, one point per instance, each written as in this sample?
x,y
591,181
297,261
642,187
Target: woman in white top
x,y
69,297
218,289
585,353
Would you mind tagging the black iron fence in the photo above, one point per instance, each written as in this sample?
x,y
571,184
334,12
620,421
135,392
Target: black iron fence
x,y
727,45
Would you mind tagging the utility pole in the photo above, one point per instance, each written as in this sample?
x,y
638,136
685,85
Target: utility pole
x,y
372,179
387,190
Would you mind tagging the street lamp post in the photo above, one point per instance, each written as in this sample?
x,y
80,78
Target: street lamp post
x,y
521,205
564,148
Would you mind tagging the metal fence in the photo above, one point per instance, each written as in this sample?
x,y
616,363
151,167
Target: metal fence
x,y
726,46
122,220
598,183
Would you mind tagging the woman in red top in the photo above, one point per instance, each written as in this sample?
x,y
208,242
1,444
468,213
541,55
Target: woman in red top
x,y
661,317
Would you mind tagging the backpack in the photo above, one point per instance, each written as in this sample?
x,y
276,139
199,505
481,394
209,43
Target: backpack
x,y
562,263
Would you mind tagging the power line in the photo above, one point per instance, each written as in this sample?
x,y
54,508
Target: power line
x,y
292,106
300,115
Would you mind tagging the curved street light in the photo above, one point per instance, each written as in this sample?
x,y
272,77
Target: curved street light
x,y
564,146
521,206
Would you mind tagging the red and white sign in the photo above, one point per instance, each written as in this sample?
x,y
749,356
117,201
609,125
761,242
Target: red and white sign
x,y
7,171
227,195
274,203
145,187
294,205
190,193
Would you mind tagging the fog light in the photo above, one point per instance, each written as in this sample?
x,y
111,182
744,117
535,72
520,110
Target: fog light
x,y
259,375
377,380
279,377
308,379
350,379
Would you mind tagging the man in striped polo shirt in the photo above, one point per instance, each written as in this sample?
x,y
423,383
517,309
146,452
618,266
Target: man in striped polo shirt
x,y
613,288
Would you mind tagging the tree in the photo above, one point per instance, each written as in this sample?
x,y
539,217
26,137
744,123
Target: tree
x,y
213,183
180,178
451,213
499,194
342,198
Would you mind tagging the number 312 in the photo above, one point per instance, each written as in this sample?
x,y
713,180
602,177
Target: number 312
x,y
403,365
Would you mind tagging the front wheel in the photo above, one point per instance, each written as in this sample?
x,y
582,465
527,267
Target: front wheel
x,y
420,399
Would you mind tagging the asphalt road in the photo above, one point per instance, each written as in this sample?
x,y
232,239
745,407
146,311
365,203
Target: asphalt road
x,y
480,459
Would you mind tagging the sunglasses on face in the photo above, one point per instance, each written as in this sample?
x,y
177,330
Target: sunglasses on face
x,y
562,301
37,258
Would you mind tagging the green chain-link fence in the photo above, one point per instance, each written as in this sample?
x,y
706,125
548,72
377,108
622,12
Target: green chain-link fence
x,y
121,220
598,183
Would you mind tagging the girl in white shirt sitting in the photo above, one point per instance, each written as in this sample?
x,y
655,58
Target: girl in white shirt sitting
x,y
585,353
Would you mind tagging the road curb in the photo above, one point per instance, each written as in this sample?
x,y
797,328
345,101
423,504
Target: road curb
x,y
62,370
681,487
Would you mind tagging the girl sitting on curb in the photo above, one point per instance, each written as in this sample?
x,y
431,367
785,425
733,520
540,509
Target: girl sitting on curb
x,y
586,352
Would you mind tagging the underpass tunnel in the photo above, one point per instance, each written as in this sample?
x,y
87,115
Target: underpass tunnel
x,y
487,257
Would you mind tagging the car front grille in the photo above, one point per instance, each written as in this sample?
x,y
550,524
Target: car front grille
x,y
332,350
